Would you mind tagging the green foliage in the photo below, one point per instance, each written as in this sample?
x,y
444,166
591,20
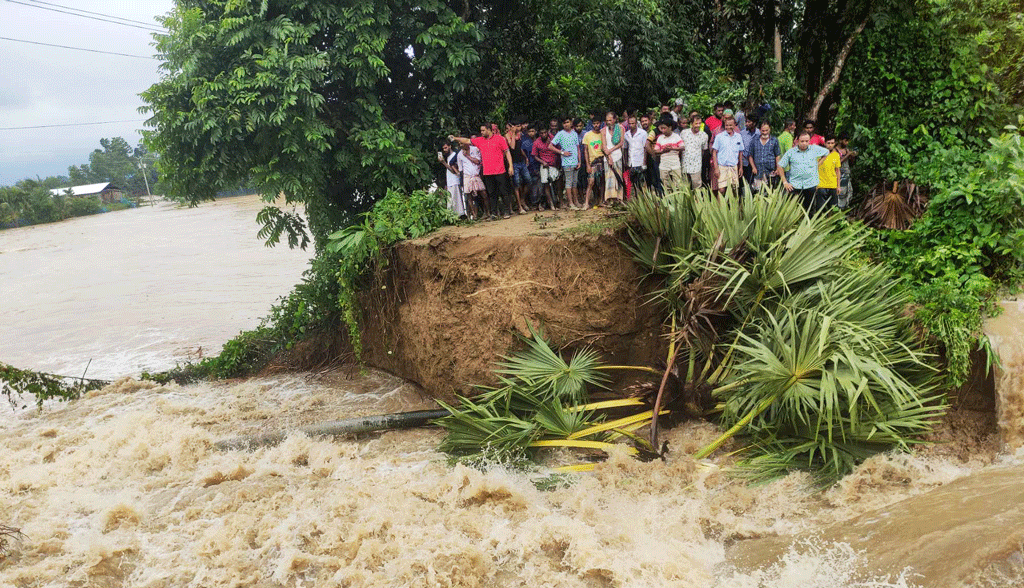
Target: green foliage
x,y
331,104
912,87
968,244
804,345
83,206
996,27
360,249
15,382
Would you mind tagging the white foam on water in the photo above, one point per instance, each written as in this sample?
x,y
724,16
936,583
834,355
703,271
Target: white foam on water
x,y
124,488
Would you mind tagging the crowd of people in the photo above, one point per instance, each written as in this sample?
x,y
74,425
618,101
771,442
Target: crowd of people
x,y
572,163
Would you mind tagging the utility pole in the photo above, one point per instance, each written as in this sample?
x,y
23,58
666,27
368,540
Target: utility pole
x,y
142,166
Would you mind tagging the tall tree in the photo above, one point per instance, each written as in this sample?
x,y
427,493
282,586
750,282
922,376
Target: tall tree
x,y
327,103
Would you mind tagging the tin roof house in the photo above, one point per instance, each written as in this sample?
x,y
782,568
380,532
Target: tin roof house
x,y
106,192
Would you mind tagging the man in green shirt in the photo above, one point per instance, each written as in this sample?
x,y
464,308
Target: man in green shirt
x,y
786,138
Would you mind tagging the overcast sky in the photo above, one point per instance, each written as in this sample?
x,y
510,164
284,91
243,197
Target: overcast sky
x,y
52,86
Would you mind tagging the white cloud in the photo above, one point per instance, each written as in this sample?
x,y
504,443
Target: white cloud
x,y
52,86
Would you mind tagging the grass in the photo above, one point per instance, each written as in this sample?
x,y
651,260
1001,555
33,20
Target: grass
x,y
610,223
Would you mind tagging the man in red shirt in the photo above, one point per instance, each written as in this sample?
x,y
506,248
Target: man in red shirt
x,y
497,162
809,129
714,122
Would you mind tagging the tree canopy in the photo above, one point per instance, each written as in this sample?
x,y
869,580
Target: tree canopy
x,y
333,104
117,162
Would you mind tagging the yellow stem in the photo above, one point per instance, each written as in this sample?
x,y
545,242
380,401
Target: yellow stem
x,y
714,445
639,368
763,406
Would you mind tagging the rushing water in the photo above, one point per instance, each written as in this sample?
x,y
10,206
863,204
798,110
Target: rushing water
x,y
124,488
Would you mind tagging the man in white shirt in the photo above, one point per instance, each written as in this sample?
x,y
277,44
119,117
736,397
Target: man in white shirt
x,y
450,162
636,143
677,110
669,146
472,185
695,143
725,156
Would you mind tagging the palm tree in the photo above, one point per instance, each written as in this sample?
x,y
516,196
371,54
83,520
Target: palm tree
x,y
813,355
798,344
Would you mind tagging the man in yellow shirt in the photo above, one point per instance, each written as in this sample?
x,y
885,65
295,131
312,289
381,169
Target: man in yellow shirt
x,y
827,194
595,164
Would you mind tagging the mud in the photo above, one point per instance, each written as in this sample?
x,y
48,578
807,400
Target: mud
x,y
448,307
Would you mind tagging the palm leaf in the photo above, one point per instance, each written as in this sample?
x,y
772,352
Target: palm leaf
x,y
581,444
482,428
642,417
555,420
548,375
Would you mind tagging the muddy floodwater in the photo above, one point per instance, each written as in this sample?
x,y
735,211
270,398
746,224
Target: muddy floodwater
x,y
138,289
125,488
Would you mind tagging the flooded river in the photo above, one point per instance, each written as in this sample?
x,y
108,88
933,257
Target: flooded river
x,y
125,488
139,289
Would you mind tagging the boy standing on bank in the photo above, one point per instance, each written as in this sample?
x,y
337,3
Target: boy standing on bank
x,y
594,158
472,185
548,159
567,144
695,145
669,146
827,195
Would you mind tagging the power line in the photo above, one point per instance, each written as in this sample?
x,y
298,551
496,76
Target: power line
x,y
153,29
106,122
75,48
148,24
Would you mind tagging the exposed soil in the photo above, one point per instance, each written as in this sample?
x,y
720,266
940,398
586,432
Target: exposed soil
x,y
449,305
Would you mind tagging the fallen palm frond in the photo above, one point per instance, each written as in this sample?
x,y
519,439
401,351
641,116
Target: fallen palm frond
x,y
895,207
542,402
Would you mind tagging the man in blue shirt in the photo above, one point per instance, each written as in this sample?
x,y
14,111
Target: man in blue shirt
x,y
725,155
803,168
749,134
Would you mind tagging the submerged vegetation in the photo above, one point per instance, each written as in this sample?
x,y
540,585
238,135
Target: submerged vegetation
x,y
16,383
776,324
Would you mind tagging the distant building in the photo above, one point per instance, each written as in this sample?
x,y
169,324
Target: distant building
x,y
106,192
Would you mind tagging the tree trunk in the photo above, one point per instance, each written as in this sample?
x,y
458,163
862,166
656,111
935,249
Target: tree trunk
x,y
778,49
812,114
401,420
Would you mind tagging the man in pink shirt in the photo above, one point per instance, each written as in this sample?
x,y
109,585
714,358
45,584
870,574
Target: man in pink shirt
x,y
494,155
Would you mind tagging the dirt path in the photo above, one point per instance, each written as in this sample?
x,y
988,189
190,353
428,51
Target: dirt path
x,y
537,224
